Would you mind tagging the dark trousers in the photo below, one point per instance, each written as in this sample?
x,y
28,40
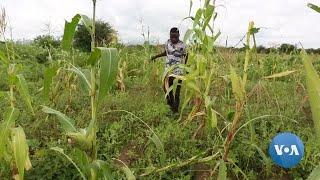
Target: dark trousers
x,y
173,99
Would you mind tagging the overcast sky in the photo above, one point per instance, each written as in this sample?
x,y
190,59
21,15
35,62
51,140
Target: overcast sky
x,y
282,21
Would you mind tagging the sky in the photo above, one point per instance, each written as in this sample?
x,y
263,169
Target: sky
x,y
281,21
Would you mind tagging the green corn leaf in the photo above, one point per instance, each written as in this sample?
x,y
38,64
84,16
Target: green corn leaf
x,y
81,139
128,172
82,76
83,84
314,7
199,34
155,139
212,118
20,151
95,55
196,20
10,117
3,58
208,102
84,138
100,169
87,22
24,92
59,150
108,70
49,73
187,35
313,88
207,3
92,130
222,171
69,31
237,86
208,13
192,85
67,124
315,174
265,158
254,30
82,159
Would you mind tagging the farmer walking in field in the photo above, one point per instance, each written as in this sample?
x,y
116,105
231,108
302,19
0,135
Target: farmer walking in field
x,y
175,52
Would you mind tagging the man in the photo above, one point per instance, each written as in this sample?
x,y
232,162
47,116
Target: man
x,y
175,51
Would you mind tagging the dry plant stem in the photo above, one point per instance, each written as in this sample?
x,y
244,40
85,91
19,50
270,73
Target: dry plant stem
x,y
199,131
196,108
233,129
190,161
241,102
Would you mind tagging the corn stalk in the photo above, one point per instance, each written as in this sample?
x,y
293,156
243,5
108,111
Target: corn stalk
x,y
200,68
97,81
239,91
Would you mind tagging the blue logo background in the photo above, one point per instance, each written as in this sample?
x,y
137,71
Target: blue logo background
x,y
286,150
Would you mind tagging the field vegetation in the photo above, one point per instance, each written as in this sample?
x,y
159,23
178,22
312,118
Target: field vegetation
x,y
67,113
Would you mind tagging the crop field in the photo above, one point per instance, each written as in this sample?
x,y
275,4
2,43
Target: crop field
x,y
71,114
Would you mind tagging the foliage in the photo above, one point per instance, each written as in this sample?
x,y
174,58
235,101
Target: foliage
x,y
46,41
200,73
133,132
13,144
103,64
105,35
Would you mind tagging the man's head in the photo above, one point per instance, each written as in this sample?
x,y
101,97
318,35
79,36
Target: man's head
x,y
174,35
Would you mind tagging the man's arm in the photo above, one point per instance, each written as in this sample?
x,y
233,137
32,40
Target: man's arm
x,y
164,53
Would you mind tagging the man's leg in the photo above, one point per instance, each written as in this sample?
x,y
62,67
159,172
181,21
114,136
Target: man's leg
x,y
177,97
170,97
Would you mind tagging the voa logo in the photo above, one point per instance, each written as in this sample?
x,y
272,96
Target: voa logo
x,y
280,149
286,150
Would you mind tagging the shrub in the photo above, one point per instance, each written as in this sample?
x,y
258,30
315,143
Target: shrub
x,y
105,35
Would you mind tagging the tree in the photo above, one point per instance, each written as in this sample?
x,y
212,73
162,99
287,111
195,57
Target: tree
x,y
261,49
105,35
46,41
286,48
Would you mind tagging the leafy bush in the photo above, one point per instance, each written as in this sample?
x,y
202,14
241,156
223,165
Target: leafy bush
x,y
105,35
46,41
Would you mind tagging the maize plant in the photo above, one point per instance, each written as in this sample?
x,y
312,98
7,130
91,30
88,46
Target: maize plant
x,y
60,69
97,81
239,91
14,149
313,84
200,67
313,88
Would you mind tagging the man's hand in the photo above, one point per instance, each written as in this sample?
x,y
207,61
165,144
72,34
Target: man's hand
x,y
159,55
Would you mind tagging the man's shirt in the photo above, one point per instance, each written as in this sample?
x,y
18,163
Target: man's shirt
x,y
175,55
